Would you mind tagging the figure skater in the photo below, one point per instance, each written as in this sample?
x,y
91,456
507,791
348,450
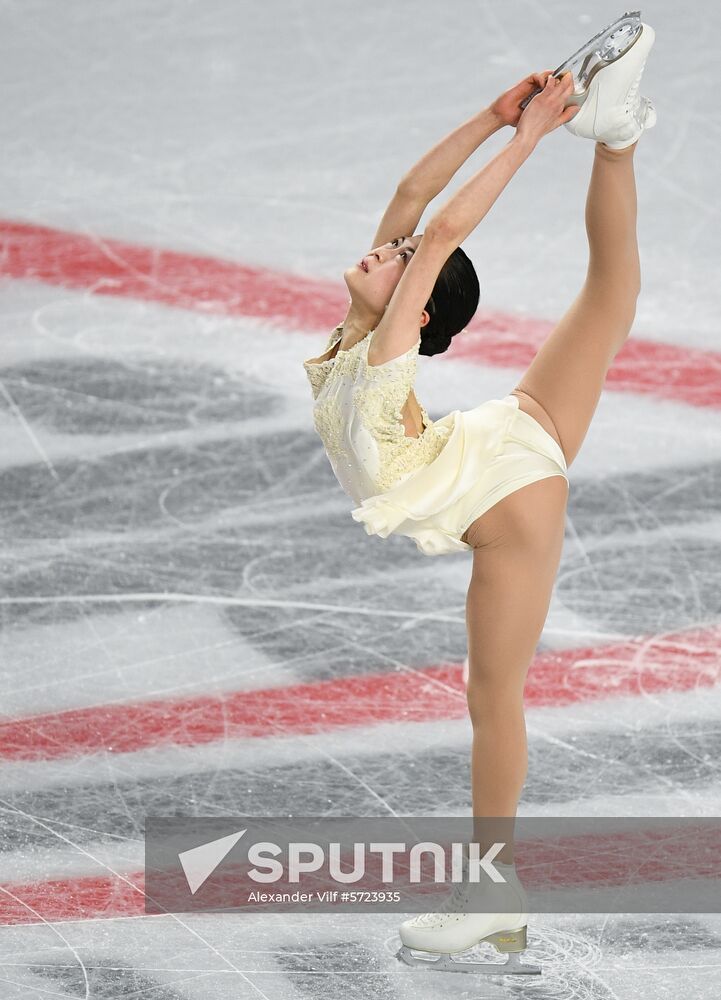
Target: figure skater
x,y
491,480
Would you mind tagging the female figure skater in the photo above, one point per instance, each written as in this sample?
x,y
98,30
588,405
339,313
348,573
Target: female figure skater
x,y
491,480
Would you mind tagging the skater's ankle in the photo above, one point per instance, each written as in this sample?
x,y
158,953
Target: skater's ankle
x,y
504,858
615,154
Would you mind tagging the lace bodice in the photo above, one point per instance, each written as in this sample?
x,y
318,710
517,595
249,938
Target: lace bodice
x,y
358,414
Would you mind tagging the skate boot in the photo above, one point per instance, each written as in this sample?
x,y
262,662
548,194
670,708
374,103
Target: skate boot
x,y
611,110
454,928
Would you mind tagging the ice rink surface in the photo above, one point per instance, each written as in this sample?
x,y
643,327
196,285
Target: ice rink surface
x,y
182,186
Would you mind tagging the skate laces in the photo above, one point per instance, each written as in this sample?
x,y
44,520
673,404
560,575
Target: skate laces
x,y
457,899
631,103
455,903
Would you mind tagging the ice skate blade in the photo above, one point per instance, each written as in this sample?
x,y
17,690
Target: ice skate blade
x,y
618,37
584,77
513,966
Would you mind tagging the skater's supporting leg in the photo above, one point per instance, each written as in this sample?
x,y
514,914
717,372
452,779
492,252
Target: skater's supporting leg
x,y
567,374
517,548
516,552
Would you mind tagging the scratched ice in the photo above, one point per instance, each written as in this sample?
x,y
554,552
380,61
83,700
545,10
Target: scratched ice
x,y
181,188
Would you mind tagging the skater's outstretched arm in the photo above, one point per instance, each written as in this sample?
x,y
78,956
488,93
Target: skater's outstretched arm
x,y
434,170
397,331
460,215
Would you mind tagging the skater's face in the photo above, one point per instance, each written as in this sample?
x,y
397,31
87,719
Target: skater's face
x,y
374,278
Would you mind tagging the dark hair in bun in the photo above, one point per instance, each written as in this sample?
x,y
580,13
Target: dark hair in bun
x,y
453,302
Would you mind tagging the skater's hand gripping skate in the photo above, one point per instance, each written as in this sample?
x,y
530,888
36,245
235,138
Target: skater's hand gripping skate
x,y
547,110
507,107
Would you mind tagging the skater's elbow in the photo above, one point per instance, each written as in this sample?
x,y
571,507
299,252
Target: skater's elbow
x,y
441,229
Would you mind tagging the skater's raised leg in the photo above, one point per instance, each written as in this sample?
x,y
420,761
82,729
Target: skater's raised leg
x,y
568,372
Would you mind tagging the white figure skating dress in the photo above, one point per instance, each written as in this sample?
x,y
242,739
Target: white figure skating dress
x,y
430,488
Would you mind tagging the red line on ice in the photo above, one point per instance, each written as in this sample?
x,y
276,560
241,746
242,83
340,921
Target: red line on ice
x,y
637,667
205,284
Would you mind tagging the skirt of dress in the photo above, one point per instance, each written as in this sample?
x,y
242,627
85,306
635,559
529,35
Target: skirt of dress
x,y
492,450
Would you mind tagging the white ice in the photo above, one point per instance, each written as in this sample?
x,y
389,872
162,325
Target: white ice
x,y
152,449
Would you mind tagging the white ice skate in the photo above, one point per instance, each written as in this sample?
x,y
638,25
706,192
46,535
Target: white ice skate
x,y
612,111
631,113
454,929
605,47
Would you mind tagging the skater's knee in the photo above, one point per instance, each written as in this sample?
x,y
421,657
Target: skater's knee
x,y
613,293
494,702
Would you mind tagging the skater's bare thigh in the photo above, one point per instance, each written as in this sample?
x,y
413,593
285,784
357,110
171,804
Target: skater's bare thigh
x,y
527,517
514,567
562,385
